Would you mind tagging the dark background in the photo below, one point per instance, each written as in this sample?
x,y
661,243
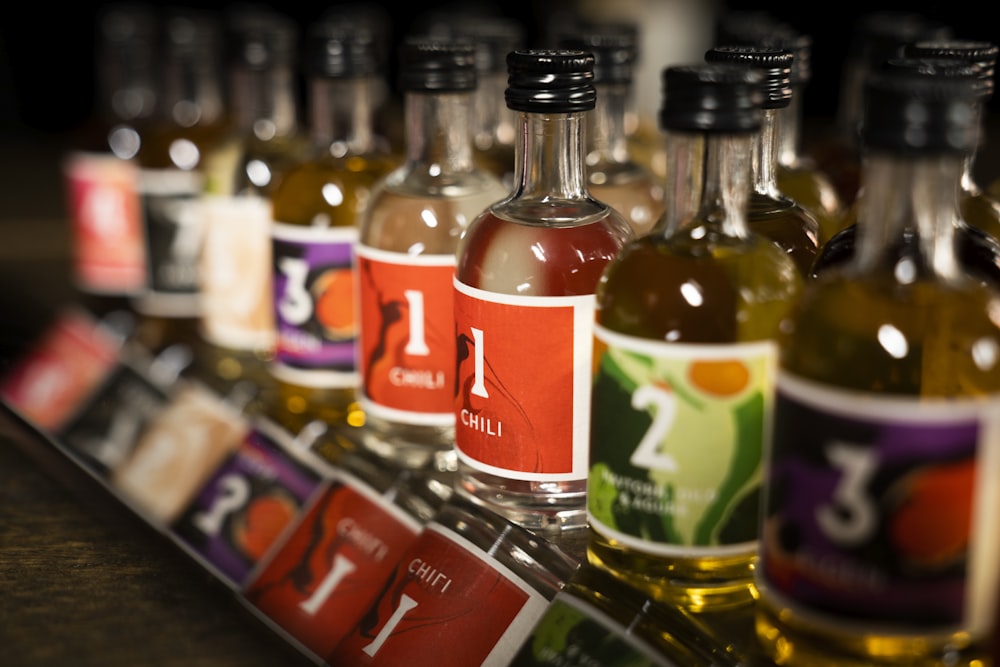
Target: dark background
x,y
46,50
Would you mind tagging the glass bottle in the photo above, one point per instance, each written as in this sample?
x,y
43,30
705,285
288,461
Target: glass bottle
x,y
237,322
189,120
597,619
528,268
406,258
613,176
772,212
686,324
471,578
875,37
100,173
978,251
317,208
877,538
979,208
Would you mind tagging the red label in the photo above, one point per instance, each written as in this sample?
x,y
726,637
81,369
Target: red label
x,y
407,332
106,217
49,383
333,566
524,373
447,605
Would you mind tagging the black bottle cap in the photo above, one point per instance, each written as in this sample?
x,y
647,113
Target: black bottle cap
x,y
880,35
437,67
912,112
774,63
981,55
341,50
550,80
493,36
258,38
615,48
941,67
711,97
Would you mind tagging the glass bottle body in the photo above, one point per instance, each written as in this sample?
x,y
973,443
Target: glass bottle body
x,y
317,207
677,308
910,328
529,266
406,257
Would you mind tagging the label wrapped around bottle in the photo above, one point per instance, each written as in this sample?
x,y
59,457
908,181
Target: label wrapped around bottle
x,y
677,443
524,383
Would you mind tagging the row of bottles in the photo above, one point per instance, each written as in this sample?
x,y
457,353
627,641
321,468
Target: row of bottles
x,y
673,382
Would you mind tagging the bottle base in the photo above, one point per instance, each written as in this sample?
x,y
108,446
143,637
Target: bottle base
x,y
555,511
790,641
697,584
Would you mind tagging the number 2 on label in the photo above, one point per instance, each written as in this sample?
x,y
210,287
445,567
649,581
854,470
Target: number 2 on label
x,y
647,454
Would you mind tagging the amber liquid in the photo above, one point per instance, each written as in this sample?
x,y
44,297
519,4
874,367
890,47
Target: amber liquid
x,y
528,259
422,218
941,324
748,286
789,225
804,184
298,199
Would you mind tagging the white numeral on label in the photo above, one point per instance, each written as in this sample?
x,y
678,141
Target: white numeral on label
x,y
417,343
295,305
853,517
342,566
647,454
479,386
234,493
406,603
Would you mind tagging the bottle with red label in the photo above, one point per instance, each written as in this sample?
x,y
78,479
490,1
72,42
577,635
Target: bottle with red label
x,y
527,272
466,593
100,171
317,207
685,351
406,259
878,539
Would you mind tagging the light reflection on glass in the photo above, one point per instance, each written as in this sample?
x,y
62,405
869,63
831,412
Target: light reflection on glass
x,y
893,341
429,218
259,173
332,194
184,153
985,353
691,291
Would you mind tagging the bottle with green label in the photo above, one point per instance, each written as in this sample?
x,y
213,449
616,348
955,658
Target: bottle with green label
x,y
685,355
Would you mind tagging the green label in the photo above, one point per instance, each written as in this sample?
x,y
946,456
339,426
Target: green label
x,y
575,634
677,442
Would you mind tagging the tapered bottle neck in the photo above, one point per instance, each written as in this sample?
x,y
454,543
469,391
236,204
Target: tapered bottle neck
x,y
438,131
764,151
342,115
265,101
607,133
548,157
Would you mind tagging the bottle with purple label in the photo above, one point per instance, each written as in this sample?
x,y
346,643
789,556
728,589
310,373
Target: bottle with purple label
x,y
317,207
878,538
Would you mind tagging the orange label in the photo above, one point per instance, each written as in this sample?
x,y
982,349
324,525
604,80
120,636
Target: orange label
x,y
407,335
524,377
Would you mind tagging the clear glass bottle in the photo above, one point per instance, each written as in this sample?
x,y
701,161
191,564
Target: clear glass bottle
x,y
978,251
237,321
878,522
613,176
406,258
190,118
471,578
686,324
528,268
99,170
772,212
317,209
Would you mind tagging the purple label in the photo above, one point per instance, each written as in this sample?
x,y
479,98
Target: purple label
x,y
314,298
247,505
870,507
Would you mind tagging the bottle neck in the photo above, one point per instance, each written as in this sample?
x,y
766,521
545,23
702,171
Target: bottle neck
x,y
708,181
265,102
494,122
764,154
907,216
607,135
968,183
548,158
439,131
192,92
342,115
790,131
